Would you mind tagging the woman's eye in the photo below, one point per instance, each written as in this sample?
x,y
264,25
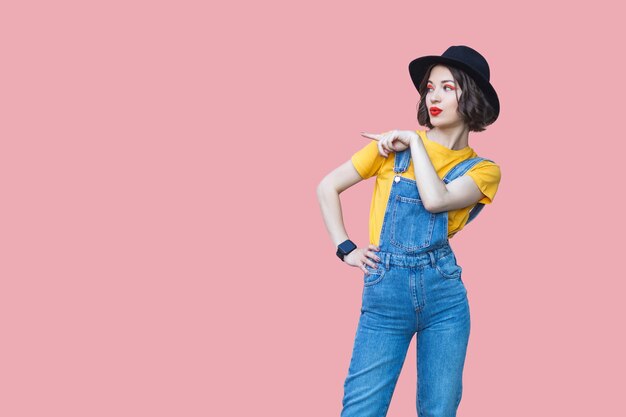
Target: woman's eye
x,y
445,87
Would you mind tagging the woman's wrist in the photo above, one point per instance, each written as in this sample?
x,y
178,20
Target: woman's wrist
x,y
415,140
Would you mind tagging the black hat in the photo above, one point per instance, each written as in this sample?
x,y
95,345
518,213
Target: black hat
x,y
464,58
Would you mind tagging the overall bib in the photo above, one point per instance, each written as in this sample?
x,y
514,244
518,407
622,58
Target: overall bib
x,y
416,288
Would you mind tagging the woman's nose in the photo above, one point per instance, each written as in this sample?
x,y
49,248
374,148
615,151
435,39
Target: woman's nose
x,y
434,96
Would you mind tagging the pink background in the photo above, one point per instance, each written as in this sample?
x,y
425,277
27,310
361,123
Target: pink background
x,y
163,251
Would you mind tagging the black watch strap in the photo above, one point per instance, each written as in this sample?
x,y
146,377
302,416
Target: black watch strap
x,y
345,248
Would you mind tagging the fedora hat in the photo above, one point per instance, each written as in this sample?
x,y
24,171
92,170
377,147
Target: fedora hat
x,y
464,58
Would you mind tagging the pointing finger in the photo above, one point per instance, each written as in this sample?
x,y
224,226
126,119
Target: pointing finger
x,y
371,135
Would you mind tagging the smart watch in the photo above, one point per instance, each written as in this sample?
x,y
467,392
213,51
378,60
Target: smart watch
x,y
345,248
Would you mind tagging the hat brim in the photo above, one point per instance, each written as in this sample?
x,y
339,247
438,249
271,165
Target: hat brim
x,y
419,66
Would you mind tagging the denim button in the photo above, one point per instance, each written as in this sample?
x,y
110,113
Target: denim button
x,y
397,178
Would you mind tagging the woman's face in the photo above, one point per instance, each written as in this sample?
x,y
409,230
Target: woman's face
x,y
441,93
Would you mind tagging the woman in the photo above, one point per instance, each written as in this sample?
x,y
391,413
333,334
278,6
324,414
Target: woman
x,y
429,185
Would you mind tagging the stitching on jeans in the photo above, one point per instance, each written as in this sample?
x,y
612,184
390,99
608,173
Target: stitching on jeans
x,y
413,288
432,258
429,230
376,281
419,280
456,275
421,275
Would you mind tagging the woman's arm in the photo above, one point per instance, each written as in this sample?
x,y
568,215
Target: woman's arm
x,y
435,194
328,190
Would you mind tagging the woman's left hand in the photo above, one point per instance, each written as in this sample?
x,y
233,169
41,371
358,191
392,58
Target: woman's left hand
x,y
392,141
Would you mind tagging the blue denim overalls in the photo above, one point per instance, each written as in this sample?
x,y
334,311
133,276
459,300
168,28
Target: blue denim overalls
x,y
416,288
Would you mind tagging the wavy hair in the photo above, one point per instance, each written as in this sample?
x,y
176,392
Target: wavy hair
x,y
473,107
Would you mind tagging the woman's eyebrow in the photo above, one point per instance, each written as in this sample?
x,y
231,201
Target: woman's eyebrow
x,y
444,81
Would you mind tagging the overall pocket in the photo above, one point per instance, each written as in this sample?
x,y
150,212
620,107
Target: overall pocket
x,y
448,267
374,276
412,225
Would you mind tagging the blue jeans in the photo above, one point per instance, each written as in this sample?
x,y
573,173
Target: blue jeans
x,y
419,294
416,289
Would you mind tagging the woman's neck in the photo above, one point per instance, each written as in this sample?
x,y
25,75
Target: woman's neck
x,y
454,138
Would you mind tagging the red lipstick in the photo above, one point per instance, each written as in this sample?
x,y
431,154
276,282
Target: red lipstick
x,y
435,110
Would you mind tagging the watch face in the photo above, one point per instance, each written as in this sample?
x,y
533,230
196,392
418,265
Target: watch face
x,y
347,247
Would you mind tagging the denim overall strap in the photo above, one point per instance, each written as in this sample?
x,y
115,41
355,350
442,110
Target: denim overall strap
x,y
402,161
460,170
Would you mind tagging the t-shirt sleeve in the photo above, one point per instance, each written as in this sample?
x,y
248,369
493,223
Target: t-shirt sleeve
x,y
486,175
367,160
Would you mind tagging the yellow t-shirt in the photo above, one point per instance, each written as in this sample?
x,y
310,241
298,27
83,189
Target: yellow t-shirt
x,y
368,162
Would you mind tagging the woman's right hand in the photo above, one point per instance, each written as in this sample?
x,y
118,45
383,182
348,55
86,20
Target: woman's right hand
x,y
361,256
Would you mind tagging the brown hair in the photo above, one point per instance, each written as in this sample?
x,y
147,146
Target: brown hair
x,y
473,108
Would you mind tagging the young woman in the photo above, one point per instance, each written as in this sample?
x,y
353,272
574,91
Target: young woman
x,y
429,185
